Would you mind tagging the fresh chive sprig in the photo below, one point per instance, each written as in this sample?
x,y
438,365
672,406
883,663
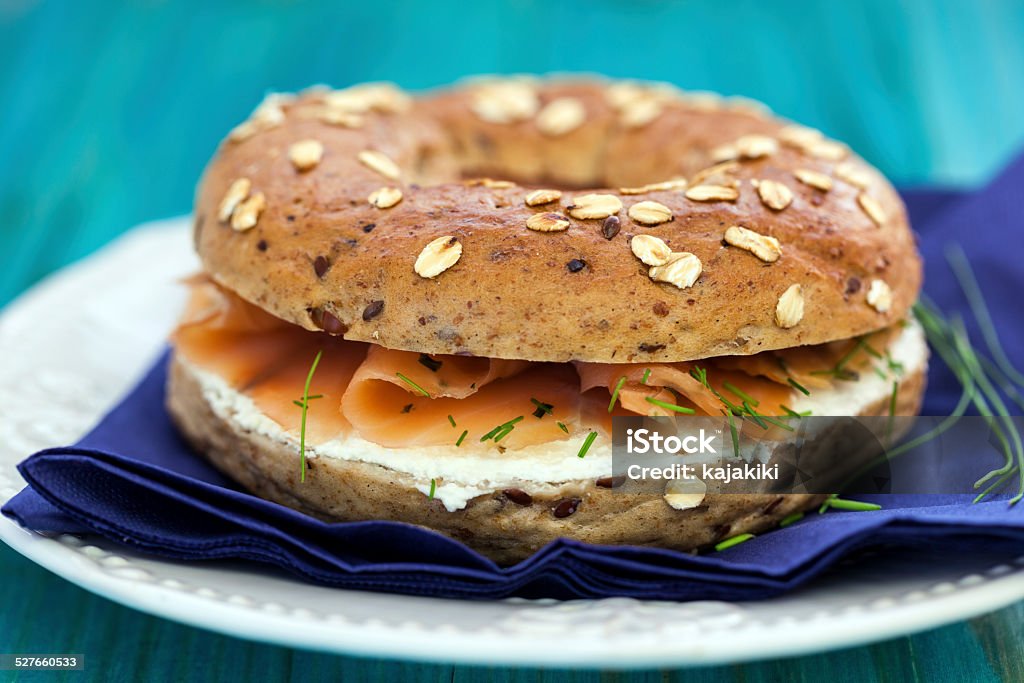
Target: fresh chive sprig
x,y
670,406
304,405
744,396
615,393
734,541
799,387
838,503
976,300
416,387
542,408
587,443
791,519
951,343
503,429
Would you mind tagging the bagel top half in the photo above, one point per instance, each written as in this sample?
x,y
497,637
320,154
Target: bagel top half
x,y
370,214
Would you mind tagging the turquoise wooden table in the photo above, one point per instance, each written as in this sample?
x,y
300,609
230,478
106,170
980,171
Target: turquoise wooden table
x,y
110,109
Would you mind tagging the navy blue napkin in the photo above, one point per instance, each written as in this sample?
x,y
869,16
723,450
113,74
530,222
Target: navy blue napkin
x,y
133,481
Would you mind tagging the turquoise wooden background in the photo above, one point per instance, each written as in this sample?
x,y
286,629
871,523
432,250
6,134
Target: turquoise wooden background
x,y
109,109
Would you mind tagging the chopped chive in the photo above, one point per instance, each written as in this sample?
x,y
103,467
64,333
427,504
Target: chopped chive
x,y
541,404
792,413
894,365
563,427
669,406
838,373
503,433
848,356
852,505
791,519
647,374
305,409
873,352
461,437
778,423
430,363
892,412
701,375
491,433
742,394
754,416
412,384
735,435
299,403
734,541
310,398
407,408
761,418
881,373
838,370
586,444
732,407
433,489
615,394
824,506
542,408
799,387
501,428
452,421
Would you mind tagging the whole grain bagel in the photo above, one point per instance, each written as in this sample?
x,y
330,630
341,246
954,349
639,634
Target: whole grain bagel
x,y
370,214
511,521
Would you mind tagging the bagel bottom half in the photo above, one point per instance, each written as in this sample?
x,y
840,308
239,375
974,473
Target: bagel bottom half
x,y
494,524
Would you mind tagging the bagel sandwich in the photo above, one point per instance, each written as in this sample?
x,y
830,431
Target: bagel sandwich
x,y
430,309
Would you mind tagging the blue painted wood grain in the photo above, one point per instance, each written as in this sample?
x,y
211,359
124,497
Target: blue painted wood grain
x,y
109,110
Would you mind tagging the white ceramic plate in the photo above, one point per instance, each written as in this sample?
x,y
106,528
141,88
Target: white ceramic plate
x,y
72,345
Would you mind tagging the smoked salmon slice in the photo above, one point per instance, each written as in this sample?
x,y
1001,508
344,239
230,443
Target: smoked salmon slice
x,y
275,393
635,392
404,399
393,414
813,366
